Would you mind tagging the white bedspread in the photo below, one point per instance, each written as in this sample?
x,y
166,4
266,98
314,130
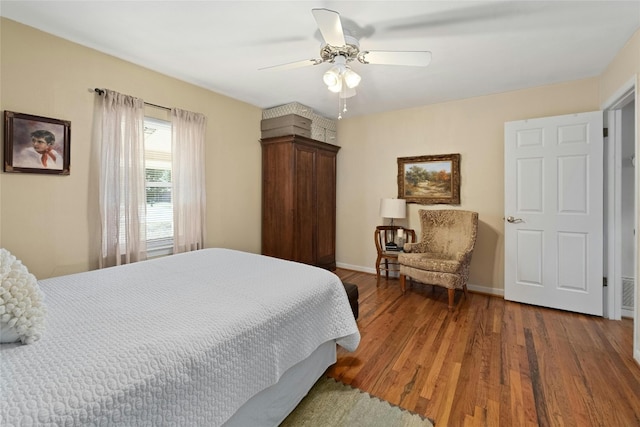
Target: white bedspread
x,y
182,340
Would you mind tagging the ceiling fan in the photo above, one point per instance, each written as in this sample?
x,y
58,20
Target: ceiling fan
x,y
341,48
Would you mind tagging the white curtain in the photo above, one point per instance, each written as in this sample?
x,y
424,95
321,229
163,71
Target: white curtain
x,y
187,178
122,195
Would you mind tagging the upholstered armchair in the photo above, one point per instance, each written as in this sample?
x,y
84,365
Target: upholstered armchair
x,y
443,254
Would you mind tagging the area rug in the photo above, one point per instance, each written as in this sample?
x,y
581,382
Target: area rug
x,y
331,404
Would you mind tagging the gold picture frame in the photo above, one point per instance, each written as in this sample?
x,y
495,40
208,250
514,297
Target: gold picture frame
x,y
429,180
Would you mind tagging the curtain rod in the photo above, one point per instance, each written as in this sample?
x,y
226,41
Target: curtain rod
x,y
101,92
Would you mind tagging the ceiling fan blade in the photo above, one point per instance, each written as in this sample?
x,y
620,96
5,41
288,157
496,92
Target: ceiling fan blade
x,y
330,26
415,59
292,65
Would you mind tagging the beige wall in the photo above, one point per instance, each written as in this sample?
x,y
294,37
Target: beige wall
x,y
624,67
46,220
367,165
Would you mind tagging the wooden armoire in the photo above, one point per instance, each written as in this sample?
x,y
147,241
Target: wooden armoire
x,y
299,200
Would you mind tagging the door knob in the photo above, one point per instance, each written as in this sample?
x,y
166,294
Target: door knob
x,y
513,220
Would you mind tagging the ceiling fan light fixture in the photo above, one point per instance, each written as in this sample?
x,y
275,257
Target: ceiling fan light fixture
x,y
340,47
351,78
332,76
336,88
347,92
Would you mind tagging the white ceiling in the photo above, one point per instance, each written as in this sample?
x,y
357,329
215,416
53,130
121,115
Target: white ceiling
x,y
478,47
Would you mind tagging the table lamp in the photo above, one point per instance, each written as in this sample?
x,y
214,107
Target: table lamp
x,y
393,208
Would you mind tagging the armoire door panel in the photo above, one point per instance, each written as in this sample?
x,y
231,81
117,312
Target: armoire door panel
x,y
305,200
277,202
326,208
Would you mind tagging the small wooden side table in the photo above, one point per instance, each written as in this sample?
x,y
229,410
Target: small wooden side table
x,y
385,234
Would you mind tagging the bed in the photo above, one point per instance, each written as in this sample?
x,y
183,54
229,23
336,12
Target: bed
x,y
211,337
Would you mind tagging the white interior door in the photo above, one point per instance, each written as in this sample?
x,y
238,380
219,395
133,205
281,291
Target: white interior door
x,y
554,212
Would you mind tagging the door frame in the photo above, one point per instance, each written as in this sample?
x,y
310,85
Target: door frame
x,y
612,111
613,308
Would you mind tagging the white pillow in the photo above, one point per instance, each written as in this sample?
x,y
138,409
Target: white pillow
x,y
21,302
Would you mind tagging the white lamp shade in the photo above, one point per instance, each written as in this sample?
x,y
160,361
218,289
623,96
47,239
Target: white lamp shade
x,y
347,92
332,76
336,88
351,78
393,208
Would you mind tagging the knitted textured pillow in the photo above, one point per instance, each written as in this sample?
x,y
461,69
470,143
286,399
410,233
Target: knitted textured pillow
x,y
21,302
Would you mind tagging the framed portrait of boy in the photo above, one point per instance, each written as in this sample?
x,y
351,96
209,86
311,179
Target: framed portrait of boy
x,y
34,144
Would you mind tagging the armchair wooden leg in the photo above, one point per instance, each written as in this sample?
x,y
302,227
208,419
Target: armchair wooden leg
x,y
464,288
452,294
403,283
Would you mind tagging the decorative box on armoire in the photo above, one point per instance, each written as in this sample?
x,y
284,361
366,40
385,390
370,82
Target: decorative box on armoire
x,y
299,200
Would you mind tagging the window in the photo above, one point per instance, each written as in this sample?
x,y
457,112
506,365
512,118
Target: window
x,y
157,144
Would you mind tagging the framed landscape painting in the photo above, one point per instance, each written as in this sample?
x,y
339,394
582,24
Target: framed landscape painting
x,y
429,180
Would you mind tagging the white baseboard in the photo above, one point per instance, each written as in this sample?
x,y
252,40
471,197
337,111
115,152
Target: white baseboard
x,y
485,290
625,312
356,268
637,356
471,287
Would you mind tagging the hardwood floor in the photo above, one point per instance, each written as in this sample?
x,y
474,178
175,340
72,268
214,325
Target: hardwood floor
x,y
489,362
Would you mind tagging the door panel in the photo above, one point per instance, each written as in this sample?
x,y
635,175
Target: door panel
x,y
326,208
530,248
553,207
573,260
305,200
573,185
277,203
530,185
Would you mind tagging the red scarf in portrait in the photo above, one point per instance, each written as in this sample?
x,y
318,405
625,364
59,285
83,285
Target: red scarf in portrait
x,y
46,154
